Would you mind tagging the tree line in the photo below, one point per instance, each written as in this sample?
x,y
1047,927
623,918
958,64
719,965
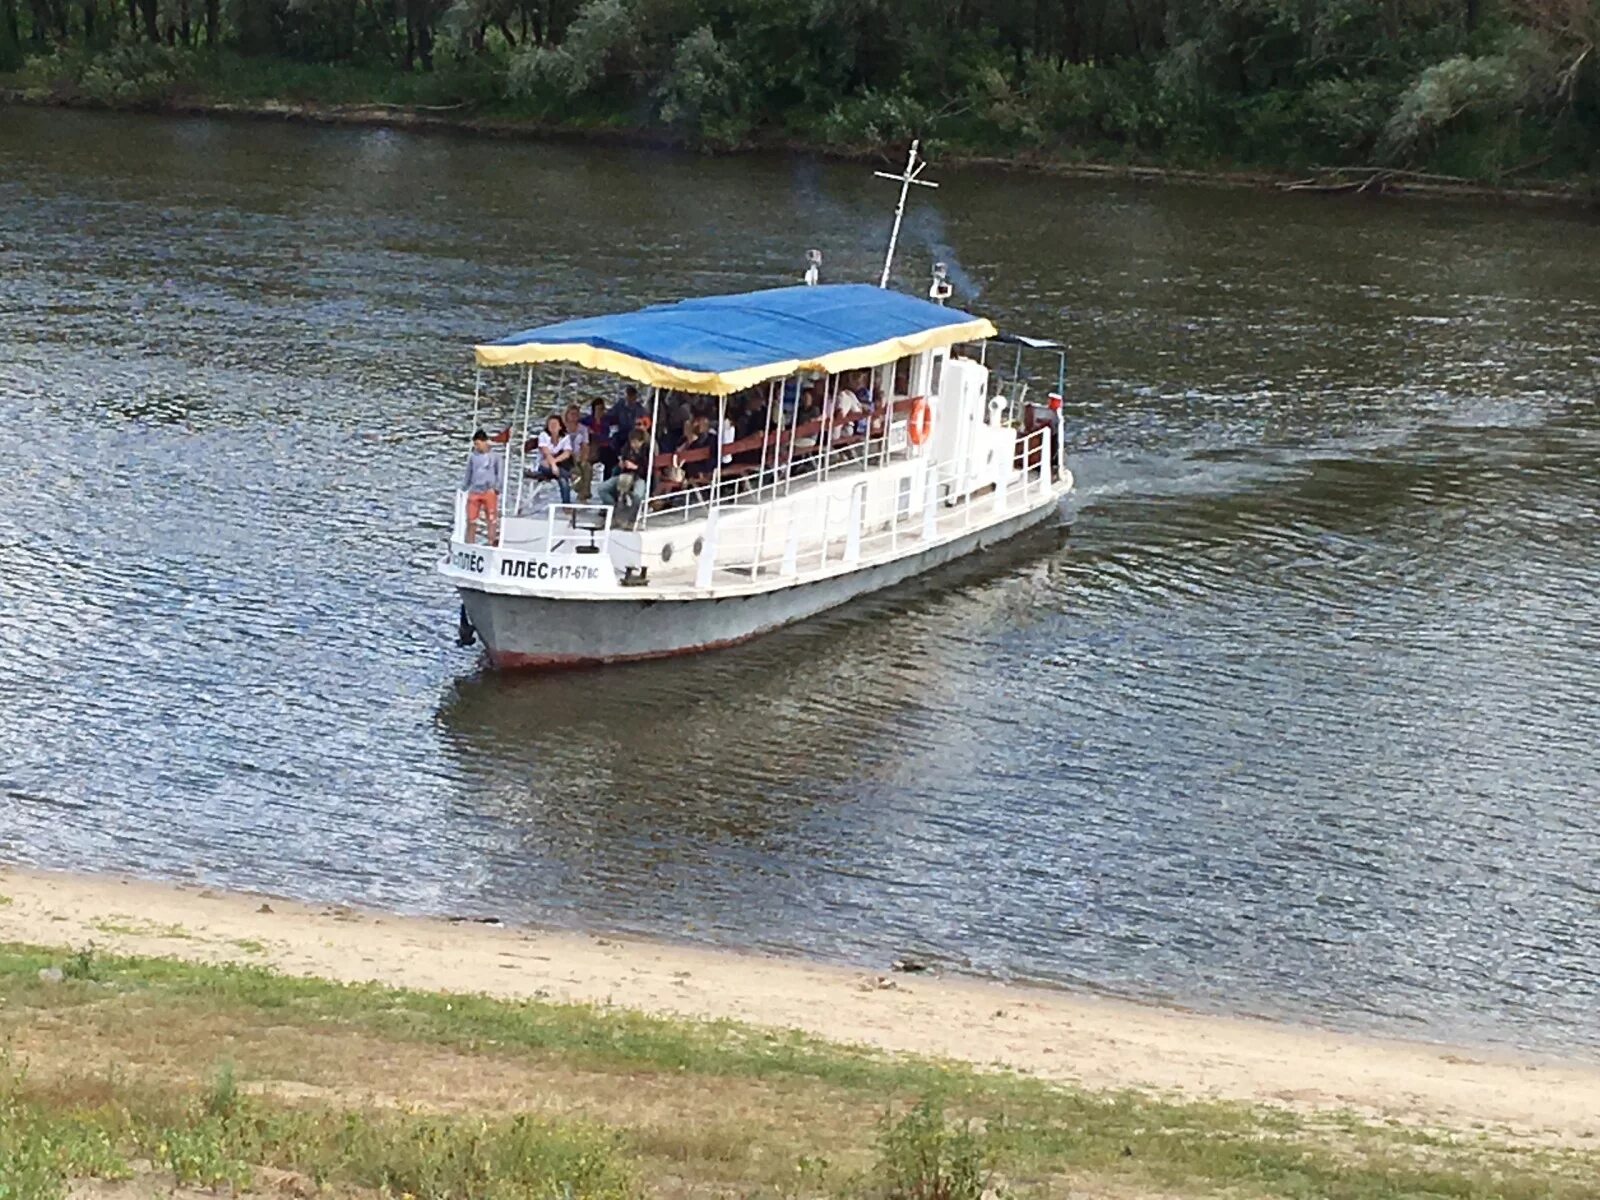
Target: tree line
x,y
1481,87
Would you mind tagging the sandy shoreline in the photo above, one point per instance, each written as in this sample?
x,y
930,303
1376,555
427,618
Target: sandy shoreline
x,y
1102,1044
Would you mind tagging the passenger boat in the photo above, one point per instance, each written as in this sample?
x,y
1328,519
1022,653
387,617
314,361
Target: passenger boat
x,y
884,446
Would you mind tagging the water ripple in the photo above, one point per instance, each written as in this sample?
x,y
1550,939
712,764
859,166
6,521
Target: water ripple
x,y
1298,720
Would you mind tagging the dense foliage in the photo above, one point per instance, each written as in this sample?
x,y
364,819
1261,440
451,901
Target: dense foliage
x,y
1479,87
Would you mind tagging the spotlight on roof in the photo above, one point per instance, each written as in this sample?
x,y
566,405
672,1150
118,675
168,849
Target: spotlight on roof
x,y
813,266
940,291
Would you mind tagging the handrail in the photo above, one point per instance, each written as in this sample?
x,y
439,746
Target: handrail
x,y
821,455
747,552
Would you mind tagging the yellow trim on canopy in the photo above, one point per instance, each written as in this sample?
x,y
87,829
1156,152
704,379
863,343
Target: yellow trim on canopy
x,y
717,383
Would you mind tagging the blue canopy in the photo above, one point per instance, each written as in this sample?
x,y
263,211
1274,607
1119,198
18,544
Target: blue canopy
x,y
720,344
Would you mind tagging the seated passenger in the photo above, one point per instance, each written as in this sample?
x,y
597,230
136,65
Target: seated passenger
x,y
697,437
849,417
625,416
633,464
679,414
752,416
808,409
555,456
582,459
601,430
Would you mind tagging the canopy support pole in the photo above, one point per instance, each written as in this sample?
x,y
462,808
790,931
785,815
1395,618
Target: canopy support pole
x,y
522,461
650,458
716,470
888,420
766,436
830,410
822,434
794,425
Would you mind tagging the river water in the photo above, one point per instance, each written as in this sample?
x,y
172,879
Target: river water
x,y
1296,714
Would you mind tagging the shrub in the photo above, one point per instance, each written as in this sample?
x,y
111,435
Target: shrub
x,y
81,965
703,94
601,44
878,119
1098,103
222,1099
131,74
1347,116
1488,86
923,1157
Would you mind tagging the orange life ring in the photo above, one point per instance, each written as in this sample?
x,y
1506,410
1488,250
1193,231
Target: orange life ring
x,y
919,428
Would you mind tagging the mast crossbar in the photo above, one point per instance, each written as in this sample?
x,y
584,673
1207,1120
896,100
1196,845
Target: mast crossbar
x,y
905,179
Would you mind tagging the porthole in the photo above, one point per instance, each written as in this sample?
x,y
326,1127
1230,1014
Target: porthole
x,y
699,546
666,553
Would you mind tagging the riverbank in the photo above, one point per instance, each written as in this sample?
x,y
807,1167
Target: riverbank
x,y
461,1062
1099,1045
464,120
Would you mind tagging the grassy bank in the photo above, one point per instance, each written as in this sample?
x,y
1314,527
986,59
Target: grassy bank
x,y
1498,92
170,1074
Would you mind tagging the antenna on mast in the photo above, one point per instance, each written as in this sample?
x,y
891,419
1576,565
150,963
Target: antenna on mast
x,y
906,178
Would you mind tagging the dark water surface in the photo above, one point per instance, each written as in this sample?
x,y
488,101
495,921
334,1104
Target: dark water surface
x,y
1299,717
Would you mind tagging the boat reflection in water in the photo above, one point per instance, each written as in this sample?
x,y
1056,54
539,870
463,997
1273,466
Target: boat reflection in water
x,y
682,787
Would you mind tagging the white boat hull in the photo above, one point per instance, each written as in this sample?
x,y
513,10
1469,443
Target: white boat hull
x,y
532,632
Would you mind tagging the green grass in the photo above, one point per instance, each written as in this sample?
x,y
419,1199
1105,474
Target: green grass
x,y
581,1034
760,1111
121,926
46,1141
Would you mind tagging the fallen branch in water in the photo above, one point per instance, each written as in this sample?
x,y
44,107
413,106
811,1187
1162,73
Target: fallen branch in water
x,y
420,108
1397,173
1526,166
1359,180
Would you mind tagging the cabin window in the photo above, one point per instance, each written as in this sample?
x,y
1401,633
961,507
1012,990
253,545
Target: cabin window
x,y
902,376
902,503
936,374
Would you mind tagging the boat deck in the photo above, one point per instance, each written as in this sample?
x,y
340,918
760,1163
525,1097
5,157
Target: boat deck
x,y
794,529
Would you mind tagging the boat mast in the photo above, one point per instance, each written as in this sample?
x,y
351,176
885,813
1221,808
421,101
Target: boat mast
x,y
906,178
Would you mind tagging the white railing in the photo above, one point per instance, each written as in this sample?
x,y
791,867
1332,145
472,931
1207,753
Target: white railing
x,y
564,534
823,459
843,537
560,529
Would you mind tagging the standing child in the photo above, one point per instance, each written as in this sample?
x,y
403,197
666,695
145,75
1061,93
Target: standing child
x,y
484,479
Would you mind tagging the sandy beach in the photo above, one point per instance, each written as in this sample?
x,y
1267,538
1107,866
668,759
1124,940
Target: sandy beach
x,y
1098,1043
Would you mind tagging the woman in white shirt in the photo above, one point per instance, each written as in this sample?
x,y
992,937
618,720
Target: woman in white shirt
x,y
555,456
